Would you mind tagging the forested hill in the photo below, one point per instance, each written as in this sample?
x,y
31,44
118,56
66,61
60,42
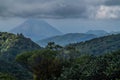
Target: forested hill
x,y
10,46
14,44
99,45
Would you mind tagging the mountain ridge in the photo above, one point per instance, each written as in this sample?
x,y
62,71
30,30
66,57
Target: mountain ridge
x,y
67,39
101,45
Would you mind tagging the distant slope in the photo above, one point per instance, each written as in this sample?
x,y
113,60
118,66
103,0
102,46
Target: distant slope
x,y
36,29
67,39
115,32
98,32
99,45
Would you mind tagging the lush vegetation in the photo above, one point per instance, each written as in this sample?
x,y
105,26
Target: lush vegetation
x,y
6,77
59,63
89,67
44,64
14,69
10,46
54,64
14,44
100,45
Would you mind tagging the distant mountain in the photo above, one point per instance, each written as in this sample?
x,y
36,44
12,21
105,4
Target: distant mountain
x,y
100,45
98,32
67,39
36,29
115,32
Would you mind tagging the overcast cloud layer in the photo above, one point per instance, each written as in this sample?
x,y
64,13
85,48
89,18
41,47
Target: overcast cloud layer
x,y
95,9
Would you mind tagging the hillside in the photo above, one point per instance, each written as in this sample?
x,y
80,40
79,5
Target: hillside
x,y
10,46
14,44
36,29
67,39
99,45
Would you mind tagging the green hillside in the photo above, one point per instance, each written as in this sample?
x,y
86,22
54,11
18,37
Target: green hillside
x,y
59,63
14,44
10,46
6,77
67,39
100,45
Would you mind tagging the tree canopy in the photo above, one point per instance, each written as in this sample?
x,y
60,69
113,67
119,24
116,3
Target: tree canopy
x,y
44,64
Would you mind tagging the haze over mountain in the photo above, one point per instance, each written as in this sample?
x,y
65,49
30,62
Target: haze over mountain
x,y
98,32
36,29
67,39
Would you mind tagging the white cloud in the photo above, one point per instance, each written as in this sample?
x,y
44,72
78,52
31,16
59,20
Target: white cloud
x,y
108,12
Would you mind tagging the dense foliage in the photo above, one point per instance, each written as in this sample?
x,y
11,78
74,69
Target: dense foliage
x,y
100,45
13,68
59,63
6,77
14,44
46,66
10,46
89,67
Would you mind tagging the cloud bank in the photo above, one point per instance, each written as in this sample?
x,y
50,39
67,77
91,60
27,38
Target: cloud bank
x,y
95,9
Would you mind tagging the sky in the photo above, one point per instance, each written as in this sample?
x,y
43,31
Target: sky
x,y
65,15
